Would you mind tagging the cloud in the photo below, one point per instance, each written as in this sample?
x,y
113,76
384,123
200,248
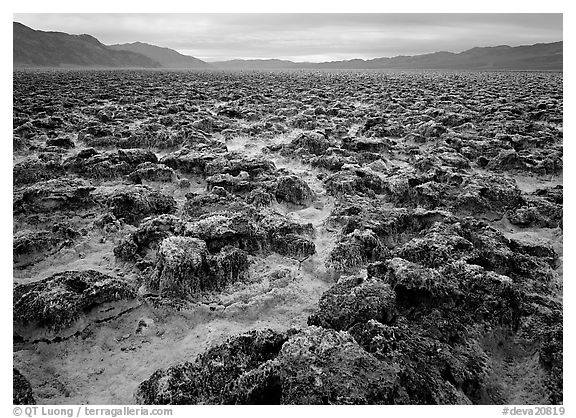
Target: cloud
x,y
305,36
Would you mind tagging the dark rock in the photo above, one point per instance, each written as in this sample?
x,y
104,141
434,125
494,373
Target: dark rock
x,y
315,366
136,156
414,284
539,212
62,142
495,252
59,300
259,197
31,246
185,268
126,250
354,250
21,389
506,160
294,190
153,172
355,181
312,142
133,203
62,194
285,236
229,265
372,122
551,355
354,300
322,366
111,164
217,200
230,112
149,233
465,292
20,144
540,249
189,161
553,194
181,267
86,153
430,129
436,247
210,379
482,193
293,245
360,144
234,164
226,228
390,225
252,231
429,372
332,162
232,184
184,183
32,170
454,159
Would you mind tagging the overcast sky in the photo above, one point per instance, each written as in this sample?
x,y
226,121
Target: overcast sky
x,y
307,37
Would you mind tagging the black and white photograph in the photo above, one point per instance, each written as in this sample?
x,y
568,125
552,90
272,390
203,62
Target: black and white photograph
x,y
287,209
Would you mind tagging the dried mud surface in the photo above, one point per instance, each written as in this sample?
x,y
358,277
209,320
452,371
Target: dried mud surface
x,y
287,237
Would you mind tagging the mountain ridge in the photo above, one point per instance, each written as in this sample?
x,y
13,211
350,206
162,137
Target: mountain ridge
x,y
166,57
34,48
540,56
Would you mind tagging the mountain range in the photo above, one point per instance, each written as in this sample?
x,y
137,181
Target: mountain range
x,y
168,58
34,48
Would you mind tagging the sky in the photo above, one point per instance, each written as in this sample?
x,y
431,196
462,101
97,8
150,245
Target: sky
x,y
306,37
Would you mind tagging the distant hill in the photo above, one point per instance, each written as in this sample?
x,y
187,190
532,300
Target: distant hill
x,y
168,58
547,56
527,57
34,48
